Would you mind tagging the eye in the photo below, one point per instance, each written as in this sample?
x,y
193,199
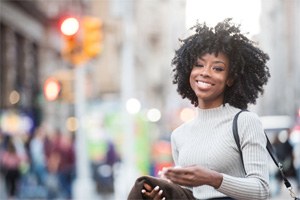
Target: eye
x,y
218,68
198,65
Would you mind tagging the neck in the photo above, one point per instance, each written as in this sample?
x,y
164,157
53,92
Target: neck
x,y
203,105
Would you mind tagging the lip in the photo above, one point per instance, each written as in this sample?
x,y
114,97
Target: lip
x,y
205,82
204,85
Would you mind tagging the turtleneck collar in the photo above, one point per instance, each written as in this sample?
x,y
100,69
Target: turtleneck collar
x,y
215,112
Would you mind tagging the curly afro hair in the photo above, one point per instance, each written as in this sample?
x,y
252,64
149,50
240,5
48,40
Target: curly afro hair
x,y
247,65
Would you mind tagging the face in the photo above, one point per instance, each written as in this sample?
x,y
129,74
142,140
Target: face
x,y
209,78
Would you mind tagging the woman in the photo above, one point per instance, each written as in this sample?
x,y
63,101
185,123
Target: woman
x,y
220,71
11,162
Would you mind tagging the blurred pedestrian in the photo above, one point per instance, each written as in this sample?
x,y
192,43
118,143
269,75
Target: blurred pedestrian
x,y
220,71
53,160
284,153
61,163
11,162
66,166
52,182
103,170
2,148
38,155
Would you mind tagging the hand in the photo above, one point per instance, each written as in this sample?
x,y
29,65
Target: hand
x,y
161,174
193,176
153,193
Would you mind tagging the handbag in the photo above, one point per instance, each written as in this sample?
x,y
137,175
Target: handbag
x,y
271,152
171,191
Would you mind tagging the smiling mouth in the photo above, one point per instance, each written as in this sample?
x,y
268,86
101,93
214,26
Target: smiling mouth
x,y
204,85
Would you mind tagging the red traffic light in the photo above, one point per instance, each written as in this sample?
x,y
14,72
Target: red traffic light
x,y
51,89
69,26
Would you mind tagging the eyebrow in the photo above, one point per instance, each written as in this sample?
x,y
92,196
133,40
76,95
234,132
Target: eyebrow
x,y
215,62
219,61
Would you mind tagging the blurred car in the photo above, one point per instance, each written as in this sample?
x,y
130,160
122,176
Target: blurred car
x,y
278,129
295,134
277,124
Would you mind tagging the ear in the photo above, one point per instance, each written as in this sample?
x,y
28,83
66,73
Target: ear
x,y
229,82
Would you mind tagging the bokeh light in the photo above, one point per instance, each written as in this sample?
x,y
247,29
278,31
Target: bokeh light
x,y
133,106
153,115
70,26
14,97
72,124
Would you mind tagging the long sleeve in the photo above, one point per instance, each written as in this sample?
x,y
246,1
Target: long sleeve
x,y
208,141
253,144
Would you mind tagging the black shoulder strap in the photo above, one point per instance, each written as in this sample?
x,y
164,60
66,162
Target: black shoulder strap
x,y
237,138
270,150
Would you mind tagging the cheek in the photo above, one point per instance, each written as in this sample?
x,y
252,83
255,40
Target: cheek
x,y
223,80
223,84
192,82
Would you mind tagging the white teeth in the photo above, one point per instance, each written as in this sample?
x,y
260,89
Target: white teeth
x,y
203,84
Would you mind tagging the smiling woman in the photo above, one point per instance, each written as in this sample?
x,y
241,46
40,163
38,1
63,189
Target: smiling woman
x,y
220,71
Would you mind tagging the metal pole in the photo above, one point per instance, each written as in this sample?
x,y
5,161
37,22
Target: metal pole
x,y
128,171
84,186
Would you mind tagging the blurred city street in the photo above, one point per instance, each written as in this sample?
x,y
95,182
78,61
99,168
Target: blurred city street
x,y
87,101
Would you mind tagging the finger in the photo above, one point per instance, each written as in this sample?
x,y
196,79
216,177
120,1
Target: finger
x,y
178,178
154,193
148,187
177,173
162,175
159,196
164,170
177,170
148,194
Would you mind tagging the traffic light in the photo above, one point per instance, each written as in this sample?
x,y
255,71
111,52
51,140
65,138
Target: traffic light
x,y
52,88
69,26
82,38
92,36
60,86
69,29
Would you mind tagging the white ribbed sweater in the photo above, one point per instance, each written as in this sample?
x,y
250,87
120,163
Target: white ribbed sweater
x,y
207,140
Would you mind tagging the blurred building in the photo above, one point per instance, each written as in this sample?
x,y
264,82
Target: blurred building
x,y
31,52
139,39
31,46
154,29
279,37
22,40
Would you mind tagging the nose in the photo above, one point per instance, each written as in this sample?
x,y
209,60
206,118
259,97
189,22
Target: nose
x,y
205,71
